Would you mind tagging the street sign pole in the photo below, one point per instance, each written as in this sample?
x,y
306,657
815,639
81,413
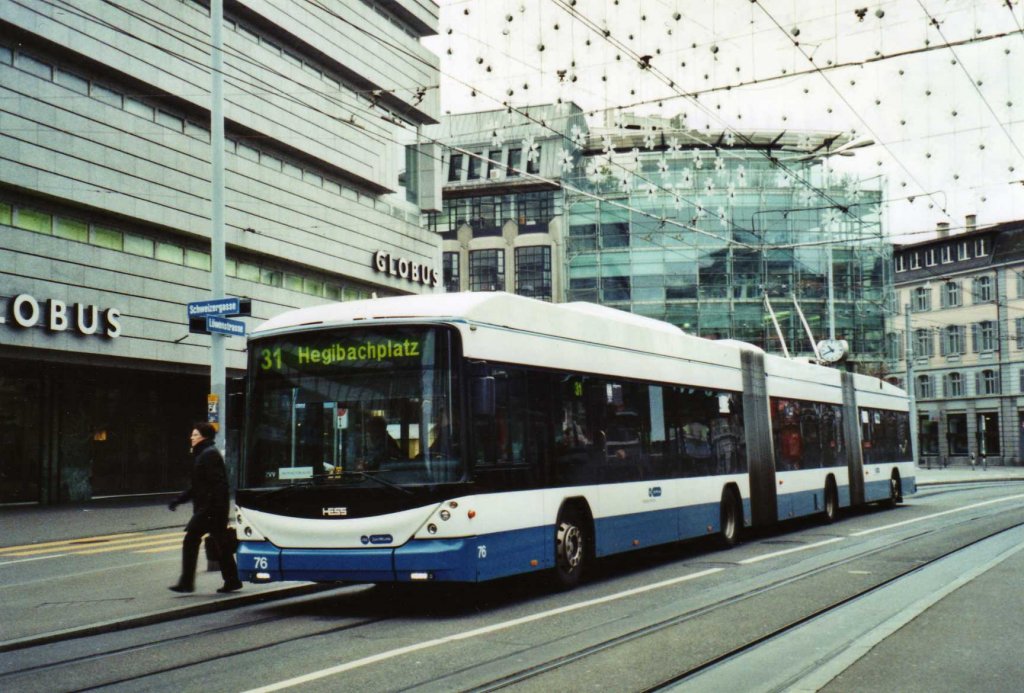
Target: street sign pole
x,y
217,347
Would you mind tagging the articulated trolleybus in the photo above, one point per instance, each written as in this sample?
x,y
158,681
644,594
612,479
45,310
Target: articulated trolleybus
x,y
468,437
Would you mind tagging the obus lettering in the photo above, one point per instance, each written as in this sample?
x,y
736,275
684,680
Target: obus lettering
x,y
86,319
404,268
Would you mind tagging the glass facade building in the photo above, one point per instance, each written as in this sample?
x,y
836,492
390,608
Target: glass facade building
x,y
701,236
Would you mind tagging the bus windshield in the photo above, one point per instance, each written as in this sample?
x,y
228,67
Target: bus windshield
x,y
342,405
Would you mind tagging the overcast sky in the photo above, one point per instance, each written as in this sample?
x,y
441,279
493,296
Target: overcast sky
x,y
935,84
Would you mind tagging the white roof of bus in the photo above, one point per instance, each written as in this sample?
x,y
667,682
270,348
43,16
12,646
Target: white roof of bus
x,y
584,322
488,307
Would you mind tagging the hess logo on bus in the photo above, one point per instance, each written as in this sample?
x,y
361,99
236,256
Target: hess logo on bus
x,y
334,512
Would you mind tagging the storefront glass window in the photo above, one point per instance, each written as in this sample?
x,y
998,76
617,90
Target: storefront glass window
x,y
21,437
956,434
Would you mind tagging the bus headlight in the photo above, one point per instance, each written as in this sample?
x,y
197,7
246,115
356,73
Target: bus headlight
x,y
432,528
445,515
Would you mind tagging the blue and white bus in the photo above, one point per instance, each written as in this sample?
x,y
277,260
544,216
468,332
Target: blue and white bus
x,y
468,437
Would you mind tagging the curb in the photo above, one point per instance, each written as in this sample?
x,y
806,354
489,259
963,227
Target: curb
x,y
983,480
155,617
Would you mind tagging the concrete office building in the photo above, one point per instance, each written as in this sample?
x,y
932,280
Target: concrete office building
x,y
105,210
502,221
965,294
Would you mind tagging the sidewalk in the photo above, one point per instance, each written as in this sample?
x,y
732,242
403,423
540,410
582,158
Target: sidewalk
x,y
135,598
958,474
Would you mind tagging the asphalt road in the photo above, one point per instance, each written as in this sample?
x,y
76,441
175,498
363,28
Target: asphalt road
x,y
908,599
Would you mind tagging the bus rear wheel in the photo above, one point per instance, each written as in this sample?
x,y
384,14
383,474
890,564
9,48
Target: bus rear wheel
x,y
570,548
831,502
731,519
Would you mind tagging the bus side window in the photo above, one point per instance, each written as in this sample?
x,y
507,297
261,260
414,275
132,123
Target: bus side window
x,y
866,437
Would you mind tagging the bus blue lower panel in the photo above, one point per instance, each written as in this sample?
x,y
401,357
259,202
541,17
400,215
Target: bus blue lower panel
x,y
485,557
801,504
876,490
258,557
469,559
639,530
326,565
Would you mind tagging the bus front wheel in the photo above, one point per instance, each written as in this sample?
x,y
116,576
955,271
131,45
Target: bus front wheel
x,y
570,548
894,491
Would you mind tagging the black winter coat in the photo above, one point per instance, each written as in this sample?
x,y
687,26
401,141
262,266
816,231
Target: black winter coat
x,y
209,492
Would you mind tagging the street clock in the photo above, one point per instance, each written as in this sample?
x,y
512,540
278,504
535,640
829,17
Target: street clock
x,y
832,350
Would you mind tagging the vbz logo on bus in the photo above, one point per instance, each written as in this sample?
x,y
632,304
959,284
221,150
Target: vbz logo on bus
x,y
654,492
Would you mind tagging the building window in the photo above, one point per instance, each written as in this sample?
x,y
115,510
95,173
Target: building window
x,y
915,261
476,166
583,289
953,385
901,263
455,168
962,251
951,295
956,434
988,382
515,157
1018,325
533,272
953,340
984,335
988,433
535,210
450,267
980,248
894,346
615,234
924,387
615,288
923,343
947,254
494,164
922,299
487,270
485,216
533,161
929,257
983,290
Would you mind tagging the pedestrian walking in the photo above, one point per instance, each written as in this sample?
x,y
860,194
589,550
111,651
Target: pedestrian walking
x,y
209,496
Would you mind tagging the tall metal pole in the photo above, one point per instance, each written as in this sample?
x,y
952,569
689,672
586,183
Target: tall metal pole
x,y
217,346
911,385
831,294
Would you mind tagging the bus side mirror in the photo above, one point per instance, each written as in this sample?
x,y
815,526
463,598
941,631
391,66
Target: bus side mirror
x,y
483,396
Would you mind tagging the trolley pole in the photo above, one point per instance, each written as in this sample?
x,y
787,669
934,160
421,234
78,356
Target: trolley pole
x,y
911,393
218,403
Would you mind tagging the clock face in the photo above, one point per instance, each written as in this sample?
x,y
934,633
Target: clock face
x,y
831,350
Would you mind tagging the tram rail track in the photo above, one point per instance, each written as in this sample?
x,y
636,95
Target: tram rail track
x,y
605,646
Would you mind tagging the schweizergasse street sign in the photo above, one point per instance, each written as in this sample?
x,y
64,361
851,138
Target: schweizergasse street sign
x,y
211,315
